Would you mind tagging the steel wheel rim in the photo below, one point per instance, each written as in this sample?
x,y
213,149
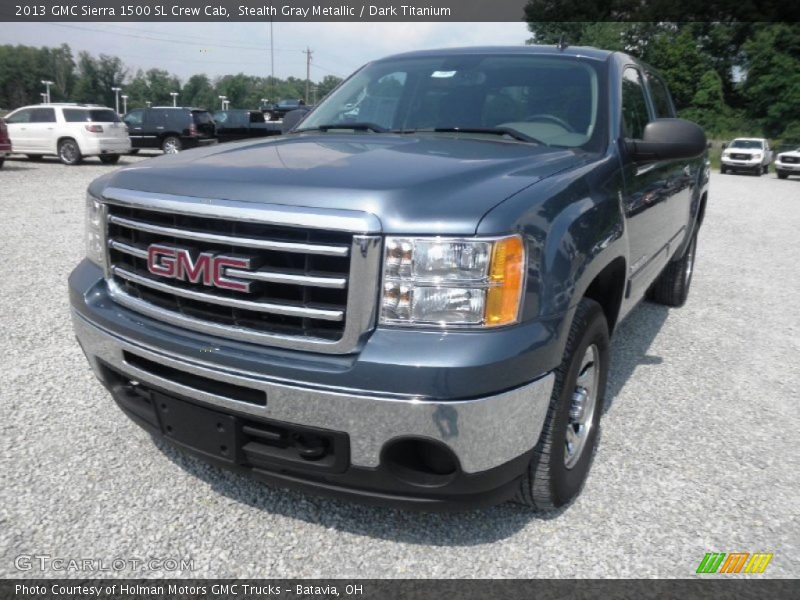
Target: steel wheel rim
x,y
582,406
170,147
68,152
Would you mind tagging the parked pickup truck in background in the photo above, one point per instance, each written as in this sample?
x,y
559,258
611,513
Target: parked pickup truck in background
x,y
752,155
239,124
409,298
788,163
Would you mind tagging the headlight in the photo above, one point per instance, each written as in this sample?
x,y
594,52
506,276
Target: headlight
x,y
452,282
95,223
755,157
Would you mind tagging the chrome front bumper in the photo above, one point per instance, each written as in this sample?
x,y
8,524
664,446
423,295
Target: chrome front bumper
x,y
483,432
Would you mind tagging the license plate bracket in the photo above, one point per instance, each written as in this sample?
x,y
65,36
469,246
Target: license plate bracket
x,y
210,432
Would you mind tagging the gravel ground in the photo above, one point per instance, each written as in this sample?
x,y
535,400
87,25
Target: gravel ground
x,y
698,450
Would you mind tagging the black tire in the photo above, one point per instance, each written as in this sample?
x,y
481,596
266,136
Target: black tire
x,y
2,160
134,151
109,159
35,157
69,153
782,174
672,286
171,144
758,172
723,170
549,483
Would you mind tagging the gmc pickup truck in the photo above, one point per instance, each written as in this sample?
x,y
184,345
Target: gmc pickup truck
x,y
408,298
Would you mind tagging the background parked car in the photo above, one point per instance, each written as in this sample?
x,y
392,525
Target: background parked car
x,y
747,154
280,109
170,128
239,124
788,163
70,131
5,142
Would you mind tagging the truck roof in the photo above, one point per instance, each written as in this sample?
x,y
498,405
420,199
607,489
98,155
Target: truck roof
x,y
575,51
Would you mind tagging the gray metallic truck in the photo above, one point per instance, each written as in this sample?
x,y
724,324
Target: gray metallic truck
x,y
408,298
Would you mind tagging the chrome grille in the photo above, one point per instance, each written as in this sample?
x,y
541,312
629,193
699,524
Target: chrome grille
x,y
310,288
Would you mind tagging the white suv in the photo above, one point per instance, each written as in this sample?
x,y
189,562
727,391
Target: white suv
x,y
70,131
747,154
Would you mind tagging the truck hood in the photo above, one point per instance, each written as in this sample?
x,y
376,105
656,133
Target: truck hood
x,y
441,184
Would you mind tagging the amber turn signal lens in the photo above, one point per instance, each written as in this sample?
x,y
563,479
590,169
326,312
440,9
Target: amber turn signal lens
x,y
505,276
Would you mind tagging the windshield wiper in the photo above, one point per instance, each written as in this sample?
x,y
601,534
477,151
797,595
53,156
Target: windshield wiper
x,y
510,132
354,126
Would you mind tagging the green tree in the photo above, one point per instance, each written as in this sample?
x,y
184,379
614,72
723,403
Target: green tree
x,y
771,86
198,91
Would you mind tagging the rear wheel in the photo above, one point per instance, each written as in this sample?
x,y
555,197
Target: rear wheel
x,y
109,159
672,286
563,455
69,153
171,145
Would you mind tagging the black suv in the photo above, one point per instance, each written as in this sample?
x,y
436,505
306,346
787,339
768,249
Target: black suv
x,y
170,128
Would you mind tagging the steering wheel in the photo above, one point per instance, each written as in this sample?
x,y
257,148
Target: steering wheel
x,y
552,119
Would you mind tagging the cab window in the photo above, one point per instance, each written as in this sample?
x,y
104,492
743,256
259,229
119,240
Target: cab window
x,y
635,114
661,100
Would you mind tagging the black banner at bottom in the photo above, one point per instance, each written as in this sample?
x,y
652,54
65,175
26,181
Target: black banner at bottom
x,y
369,589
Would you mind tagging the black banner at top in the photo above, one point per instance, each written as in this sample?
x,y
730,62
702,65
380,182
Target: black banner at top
x,y
400,10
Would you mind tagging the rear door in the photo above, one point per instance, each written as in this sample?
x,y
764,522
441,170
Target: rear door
x,y
204,123
42,130
17,124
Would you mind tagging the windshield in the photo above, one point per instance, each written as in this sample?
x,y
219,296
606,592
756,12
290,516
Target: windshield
x,y
748,144
553,100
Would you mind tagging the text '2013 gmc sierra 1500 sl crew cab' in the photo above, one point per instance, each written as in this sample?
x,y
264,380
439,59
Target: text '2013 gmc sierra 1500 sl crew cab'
x,y
407,299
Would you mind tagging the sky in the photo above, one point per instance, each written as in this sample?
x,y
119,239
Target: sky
x,y
222,48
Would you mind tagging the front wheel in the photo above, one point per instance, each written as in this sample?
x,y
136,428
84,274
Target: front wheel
x,y
171,145
69,153
723,170
563,455
782,174
109,159
758,172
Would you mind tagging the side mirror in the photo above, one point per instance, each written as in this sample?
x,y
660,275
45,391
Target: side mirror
x,y
293,118
668,139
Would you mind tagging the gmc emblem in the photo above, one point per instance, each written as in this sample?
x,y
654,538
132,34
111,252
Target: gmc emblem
x,y
206,268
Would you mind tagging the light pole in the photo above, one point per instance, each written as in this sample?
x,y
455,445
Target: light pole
x,y
148,103
47,84
222,100
124,103
116,91
174,98
44,97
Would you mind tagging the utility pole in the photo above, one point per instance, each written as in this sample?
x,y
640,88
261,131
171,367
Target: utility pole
x,y
271,60
308,52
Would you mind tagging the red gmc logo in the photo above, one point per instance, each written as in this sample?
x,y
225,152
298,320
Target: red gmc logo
x,y
206,268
